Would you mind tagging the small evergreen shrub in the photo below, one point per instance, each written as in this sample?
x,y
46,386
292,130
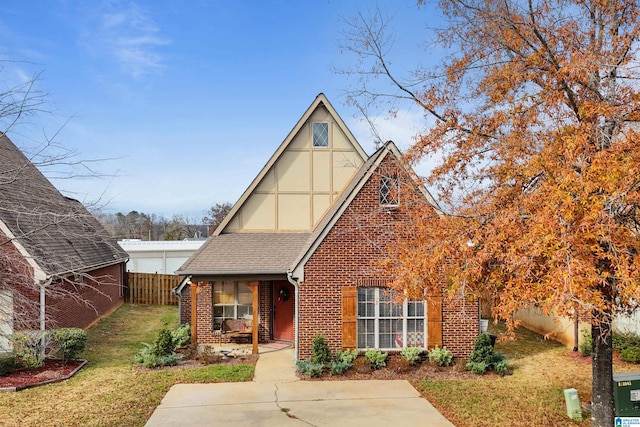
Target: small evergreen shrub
x,y
310,368
477,367
164,343
376,358
28,348
148,357
320,352
347,356
624,340
440,356
483,356
631,354
181,336
338,367
7,364
70,341
501,368
411,354
586,344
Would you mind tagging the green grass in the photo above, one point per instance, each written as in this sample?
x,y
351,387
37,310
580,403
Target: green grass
x,y
532,396
110,391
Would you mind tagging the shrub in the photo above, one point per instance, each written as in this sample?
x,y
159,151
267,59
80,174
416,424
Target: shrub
x,y
181,336
148,357
586,344
483,357
320,352
7,364
501,368
376,358
361,365
347,356
477,367
310,368
338,366
411,354
624,340
631,354
441,356
29,349
70,341
208,356
164,343
398,364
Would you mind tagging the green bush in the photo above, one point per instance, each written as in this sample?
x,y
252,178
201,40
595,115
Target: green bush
x,y
148,357
164,343
586,344
7,364
631,354
477,367
28,348
181,336
501,368
376,358
70,341
441,356
320,352
483,356
310,368
624,340
411,354
347,356
338,366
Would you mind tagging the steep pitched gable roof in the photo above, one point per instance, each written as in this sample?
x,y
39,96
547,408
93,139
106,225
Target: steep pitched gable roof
x,y
320,101
282,253
57,234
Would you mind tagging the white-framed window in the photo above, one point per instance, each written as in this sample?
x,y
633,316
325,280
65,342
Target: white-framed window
x,y
231,300
386,325
389,191
320,134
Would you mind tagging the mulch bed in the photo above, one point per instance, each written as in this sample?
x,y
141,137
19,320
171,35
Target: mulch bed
x,y
53,370
397,369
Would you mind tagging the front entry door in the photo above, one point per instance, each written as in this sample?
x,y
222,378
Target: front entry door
x,y
283,310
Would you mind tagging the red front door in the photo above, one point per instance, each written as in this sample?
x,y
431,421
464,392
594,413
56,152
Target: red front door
x,y
283,310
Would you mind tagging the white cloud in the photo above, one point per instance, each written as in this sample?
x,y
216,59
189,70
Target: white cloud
x,y
131,37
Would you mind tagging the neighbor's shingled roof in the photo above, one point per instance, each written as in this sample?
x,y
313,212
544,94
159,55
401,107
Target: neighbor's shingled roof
x,y
58,233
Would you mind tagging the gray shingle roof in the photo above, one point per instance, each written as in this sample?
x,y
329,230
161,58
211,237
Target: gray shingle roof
x,y
246,253
58,232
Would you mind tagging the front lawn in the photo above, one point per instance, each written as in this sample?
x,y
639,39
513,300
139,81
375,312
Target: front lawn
x,y
109,391
532,396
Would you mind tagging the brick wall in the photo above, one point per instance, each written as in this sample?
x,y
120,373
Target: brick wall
x,y
348,256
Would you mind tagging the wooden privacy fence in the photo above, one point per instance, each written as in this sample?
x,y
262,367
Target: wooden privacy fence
x,y
152,289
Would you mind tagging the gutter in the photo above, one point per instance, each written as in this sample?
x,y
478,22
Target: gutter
x,y
296,336
43,312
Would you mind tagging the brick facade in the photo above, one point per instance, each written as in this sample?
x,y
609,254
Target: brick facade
x,y
348,256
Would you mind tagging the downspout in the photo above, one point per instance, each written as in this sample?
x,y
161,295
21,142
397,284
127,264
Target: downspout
x,y
296,338
43,313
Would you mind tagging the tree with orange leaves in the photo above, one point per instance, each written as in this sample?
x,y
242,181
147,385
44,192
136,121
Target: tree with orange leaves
x,y
536,121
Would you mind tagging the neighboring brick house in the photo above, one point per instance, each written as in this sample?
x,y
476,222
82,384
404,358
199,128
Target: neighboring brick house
x,y
58,265
297,255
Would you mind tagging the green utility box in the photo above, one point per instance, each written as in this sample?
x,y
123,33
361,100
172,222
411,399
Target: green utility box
x,y
573,404
626,394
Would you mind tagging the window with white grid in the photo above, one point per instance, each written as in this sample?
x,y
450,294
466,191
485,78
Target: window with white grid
x,y
231,300
386,325
321,134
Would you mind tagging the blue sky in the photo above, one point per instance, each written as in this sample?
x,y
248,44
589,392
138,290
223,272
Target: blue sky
x,y
189,98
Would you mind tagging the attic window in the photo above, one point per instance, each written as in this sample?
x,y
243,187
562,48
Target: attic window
x,y
321,134
389,191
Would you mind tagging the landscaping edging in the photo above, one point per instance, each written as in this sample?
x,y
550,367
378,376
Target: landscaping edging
x,y
45,382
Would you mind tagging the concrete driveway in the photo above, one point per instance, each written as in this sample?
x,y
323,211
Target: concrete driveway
x,y
277,398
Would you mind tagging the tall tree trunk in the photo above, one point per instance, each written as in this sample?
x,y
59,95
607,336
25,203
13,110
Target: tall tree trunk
x,y
603,408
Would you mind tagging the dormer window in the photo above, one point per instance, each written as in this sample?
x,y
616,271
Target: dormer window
x,y
321,134
389,191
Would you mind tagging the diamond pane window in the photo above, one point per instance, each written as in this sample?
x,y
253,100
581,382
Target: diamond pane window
x,y
321,134
389,191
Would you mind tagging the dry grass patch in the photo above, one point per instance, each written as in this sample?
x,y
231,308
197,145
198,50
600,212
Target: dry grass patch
x,y
110,391
532,396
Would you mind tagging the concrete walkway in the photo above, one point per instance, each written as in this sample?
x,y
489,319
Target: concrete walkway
x,y
276,397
